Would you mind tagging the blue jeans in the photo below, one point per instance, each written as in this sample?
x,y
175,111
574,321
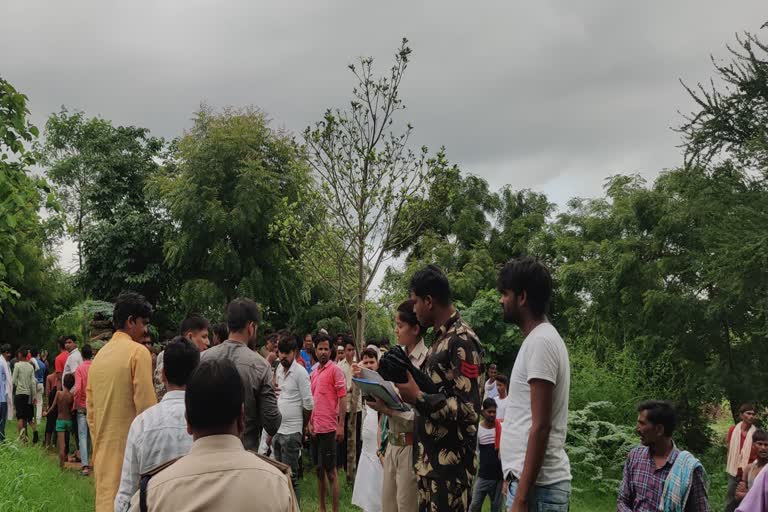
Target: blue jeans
x,y
83,434
483,488
545,498
3,414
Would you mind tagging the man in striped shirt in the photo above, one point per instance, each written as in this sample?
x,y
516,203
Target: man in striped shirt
x,y
648,466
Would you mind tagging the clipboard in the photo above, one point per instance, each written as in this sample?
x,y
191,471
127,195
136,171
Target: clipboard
x,y
380,390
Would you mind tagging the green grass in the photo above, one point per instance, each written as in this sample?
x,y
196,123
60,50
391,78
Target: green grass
x,y
585,502
31,481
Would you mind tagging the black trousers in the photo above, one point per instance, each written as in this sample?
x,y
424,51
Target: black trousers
x,y
341,451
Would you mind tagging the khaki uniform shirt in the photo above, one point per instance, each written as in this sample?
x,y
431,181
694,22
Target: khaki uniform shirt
x,y
402,422
218,474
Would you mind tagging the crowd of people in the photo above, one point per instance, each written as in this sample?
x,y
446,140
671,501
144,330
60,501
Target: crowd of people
x,y
217,422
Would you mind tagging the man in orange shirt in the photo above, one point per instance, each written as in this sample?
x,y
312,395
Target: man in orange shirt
x,y
119,388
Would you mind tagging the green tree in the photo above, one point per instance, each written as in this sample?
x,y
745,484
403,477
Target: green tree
x,y
732,120
228,184
367,175
32,289
101,172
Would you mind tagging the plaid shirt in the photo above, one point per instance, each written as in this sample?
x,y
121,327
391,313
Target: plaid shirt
x,y
643,484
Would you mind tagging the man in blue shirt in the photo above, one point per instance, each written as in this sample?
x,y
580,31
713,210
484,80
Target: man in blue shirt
x,y
307,351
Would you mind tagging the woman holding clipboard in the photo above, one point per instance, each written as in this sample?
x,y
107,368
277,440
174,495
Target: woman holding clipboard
x,y
399,486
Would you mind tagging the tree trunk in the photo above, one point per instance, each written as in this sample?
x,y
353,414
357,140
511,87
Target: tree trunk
x,y
359,342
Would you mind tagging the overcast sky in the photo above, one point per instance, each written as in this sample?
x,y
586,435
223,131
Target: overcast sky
x,y
553,96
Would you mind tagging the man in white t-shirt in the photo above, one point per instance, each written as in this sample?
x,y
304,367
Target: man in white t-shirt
x,y
490,384
502,385
533,457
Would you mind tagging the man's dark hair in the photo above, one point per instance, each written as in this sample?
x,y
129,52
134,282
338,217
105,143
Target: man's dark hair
x,y
5,348
321,337
221,331
214,395
370,352
180,360
660,413
61,341
69,381
347,339
747,407
286,343
86,352
492,366
431,282
127,305
529,275
34,352
489,403
22,350
240,312
759,435
193,322
384,342
503,379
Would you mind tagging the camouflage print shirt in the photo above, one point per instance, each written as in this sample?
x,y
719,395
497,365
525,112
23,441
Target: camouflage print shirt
x,y
446,426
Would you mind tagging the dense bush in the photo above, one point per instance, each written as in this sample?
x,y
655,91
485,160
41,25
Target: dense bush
x,y
597,448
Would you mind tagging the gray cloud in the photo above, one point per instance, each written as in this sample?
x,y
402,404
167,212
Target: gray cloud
x,y
551,95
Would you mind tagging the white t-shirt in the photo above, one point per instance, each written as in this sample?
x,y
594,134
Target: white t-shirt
x,y
501,407
542,356
485,435
490,389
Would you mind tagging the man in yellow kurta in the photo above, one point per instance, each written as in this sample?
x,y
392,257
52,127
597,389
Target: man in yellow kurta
x,y
119,388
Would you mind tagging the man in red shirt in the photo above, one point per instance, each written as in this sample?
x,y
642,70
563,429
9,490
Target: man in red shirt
x,y
741,452
326,426
81,381
61,359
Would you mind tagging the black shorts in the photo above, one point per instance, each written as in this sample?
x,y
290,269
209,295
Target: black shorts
x,y
24,409
324,450
50,420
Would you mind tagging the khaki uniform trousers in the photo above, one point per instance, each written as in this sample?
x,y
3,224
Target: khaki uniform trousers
x,y
400,490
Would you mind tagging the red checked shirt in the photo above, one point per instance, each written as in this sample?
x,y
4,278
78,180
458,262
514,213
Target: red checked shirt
x,y
328,387
643,484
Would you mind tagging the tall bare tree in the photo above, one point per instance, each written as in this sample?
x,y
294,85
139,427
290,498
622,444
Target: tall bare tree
x,y
367,174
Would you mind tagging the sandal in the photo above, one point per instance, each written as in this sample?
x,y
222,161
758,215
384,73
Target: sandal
x,y
85,471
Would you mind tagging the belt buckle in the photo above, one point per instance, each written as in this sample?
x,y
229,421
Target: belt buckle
x,y
398,438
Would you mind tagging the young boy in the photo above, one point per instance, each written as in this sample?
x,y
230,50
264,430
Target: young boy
x,y
760,440
489,479
63,404
51,389
366,493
